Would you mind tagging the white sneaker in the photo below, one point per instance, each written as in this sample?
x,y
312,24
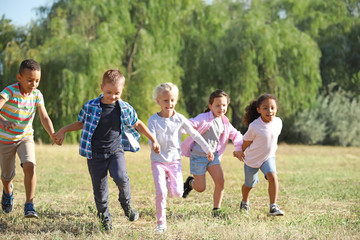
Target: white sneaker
x,y
161,228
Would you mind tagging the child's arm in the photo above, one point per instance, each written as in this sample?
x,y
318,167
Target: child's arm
x,y
198,139
46,122
3,122
60,135
237,139
142,128
246,144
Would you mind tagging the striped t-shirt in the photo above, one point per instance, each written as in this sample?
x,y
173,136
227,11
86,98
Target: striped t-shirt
x,y
21,110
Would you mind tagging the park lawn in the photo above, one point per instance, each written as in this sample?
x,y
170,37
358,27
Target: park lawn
x,y
319,192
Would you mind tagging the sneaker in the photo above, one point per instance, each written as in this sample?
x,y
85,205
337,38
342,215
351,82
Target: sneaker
x,y
30,211
161,228
187,187
244,207
275,211
105,225
7,201
130,212
217,213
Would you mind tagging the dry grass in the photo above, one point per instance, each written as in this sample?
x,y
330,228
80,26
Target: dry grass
x,y
319,192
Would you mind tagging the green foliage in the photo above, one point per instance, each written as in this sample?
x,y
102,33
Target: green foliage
x,y
251,55
333,119
334,25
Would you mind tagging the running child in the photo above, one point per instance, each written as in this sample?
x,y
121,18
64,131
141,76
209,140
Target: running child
x,y
108,129
167,126
18,104
260,143
216,129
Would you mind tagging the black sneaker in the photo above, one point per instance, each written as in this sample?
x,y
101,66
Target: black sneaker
x,y
275,211
105,225
30,211
7,201
218,213
244,207
187,187
130,212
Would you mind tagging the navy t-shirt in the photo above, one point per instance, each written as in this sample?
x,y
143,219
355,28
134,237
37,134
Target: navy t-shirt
x,y
106,137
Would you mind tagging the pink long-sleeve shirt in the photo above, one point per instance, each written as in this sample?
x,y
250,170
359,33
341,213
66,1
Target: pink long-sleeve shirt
x,y
202,123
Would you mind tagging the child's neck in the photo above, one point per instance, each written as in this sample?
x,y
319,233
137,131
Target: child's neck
x,y
166,114
23,92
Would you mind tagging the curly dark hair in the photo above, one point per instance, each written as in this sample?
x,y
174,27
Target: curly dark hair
x,y
251,112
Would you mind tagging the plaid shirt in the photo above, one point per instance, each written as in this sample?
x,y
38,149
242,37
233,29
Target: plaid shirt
x,y
90,116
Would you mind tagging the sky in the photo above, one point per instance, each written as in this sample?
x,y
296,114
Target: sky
x,y
21,12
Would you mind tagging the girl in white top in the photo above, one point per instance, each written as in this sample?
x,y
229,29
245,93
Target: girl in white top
x,y
167,126
260,143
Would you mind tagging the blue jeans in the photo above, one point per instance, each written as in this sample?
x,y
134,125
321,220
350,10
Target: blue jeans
x,y
99,166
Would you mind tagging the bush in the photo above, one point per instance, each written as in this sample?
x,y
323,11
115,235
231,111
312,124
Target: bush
x,y
332,120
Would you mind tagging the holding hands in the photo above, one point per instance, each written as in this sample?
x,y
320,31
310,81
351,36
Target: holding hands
x,y
7,124
156,147
240,155
210,156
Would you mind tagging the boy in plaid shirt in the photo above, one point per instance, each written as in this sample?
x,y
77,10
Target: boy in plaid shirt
x,y
108,129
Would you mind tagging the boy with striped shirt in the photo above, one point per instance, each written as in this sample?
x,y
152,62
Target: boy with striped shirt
x,y
18,104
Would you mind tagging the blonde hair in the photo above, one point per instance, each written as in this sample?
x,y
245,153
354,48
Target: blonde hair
x,y
113,76
165,87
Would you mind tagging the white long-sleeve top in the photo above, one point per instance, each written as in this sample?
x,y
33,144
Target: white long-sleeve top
x,y
167,132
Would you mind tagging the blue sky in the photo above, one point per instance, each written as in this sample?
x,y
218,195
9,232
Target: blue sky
x,y
21,12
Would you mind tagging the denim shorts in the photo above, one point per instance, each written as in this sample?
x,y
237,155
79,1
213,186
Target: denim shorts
x,y
199,165
251,174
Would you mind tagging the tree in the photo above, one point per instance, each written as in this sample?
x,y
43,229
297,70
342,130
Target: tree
x,y
257,54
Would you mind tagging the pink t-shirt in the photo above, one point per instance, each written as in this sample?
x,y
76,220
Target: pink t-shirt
x,y
265,137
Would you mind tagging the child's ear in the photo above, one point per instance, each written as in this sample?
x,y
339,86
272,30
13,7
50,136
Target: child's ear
x,y
258,110
18,76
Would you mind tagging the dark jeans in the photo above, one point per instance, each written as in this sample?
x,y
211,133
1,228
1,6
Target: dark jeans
x,y
98,167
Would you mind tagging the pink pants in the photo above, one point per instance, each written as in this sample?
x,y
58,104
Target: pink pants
x,y
167,177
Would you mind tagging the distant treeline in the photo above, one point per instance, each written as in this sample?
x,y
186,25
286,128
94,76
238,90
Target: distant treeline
x,y
305,52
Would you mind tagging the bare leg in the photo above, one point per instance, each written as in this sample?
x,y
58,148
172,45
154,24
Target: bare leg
x,y
7,186
273,186
217,175
29,181
199,183
245,193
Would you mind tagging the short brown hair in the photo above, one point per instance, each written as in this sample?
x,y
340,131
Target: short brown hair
x,y
113,76
29,64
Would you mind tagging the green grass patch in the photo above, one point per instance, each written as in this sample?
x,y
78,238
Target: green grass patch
x,y
319,192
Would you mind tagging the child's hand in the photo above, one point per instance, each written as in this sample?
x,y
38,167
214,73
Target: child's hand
x,y
210,156
59,137
53,138
240,155
156,147
7,124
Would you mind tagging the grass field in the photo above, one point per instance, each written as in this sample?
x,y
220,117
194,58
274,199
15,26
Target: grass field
x,y
319,192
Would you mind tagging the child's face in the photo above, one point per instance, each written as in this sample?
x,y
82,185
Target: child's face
x,y
219,106
111,92
267,110
28,80
167,101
